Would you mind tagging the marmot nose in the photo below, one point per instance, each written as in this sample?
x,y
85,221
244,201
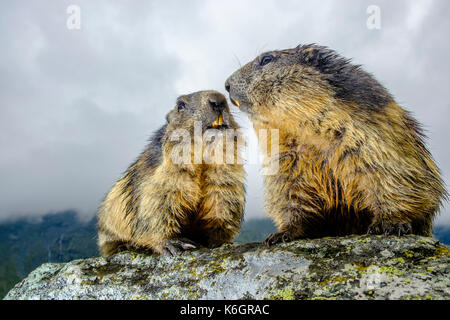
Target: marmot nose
x,y
227,86
217,105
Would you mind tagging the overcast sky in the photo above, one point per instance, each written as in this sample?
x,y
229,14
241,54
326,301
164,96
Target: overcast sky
x,y
77,106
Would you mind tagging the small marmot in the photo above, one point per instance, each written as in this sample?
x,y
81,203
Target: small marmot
x,y
351,160
168,205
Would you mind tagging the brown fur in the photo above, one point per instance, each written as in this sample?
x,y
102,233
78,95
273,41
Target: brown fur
x,y
164,206
352,161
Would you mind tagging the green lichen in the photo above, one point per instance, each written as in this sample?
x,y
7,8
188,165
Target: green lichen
x,y
409,254
401,260
441,252
105,270
361,267
391,271
285,294
216,266
324,298
334,279
420,297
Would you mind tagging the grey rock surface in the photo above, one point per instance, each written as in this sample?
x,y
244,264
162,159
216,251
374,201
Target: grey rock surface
x,y
356,267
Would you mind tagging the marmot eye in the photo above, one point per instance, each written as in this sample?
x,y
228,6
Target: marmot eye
x,y
181,105
265,60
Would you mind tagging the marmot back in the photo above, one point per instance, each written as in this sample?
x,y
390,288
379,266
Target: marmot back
x,y
351,160
168,203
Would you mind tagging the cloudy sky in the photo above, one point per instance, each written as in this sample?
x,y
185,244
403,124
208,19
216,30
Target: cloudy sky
x,y
78,105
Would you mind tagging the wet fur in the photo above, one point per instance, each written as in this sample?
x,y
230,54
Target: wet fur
x,y
157,201
352,161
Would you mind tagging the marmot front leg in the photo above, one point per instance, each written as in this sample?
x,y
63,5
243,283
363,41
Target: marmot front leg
x,y
388,221
289,230
220,225
292,220
165,242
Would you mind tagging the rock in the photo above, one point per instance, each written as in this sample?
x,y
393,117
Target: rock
x,y
357,267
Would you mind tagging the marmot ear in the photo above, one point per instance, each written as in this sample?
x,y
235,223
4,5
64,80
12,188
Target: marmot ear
x,y
310,54
309,48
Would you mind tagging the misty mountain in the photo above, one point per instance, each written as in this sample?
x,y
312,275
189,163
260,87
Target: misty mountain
x,y
24,244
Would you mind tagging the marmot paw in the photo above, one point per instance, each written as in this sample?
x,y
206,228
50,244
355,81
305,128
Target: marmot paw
x,y
278,237
390,228
175,247
189,241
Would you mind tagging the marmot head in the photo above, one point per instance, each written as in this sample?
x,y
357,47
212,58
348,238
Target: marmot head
x,y
208,108
278,85
204,110
203,117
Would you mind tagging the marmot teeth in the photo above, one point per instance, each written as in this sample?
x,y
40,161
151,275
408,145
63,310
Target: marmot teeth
x,y
218,122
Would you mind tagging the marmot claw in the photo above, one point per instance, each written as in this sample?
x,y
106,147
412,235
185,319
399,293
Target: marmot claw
x,y
279,237
390,228
175,247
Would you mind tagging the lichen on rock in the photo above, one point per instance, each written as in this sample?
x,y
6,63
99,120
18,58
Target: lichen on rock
x,y
354,267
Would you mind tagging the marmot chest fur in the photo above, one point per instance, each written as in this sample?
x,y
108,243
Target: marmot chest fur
x,y
171,198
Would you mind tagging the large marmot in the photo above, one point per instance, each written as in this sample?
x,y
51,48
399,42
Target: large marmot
x,y
168,205
351,160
